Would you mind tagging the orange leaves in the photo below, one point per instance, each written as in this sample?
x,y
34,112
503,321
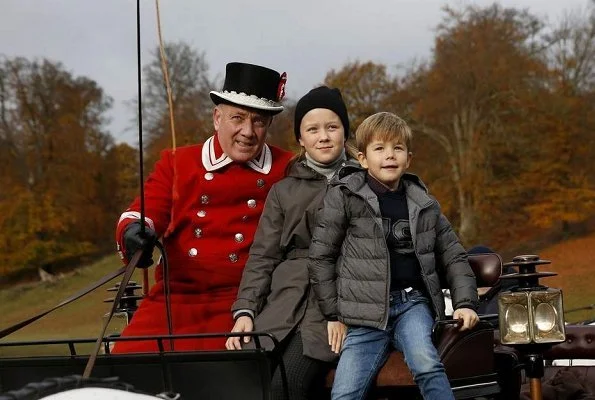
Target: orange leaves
x,y
503,112
366,87
470,98
503,138
49,204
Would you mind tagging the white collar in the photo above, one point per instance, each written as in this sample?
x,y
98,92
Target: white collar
x,y
211,162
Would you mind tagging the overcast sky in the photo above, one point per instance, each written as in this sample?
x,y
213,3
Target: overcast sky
x,y
306,38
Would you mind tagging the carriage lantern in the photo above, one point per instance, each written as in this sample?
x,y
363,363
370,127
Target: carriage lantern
x,y
125,310
530,312
531,317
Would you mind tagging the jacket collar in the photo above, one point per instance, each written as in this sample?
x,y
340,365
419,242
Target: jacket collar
x,y
353,177
300,170
213,157
379,188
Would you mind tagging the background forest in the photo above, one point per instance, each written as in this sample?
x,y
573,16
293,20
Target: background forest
x,y
503,112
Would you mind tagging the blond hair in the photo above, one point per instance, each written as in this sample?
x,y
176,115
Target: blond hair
x,y
383,126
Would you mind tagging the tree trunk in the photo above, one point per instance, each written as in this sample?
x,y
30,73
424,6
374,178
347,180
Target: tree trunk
x,y
467,225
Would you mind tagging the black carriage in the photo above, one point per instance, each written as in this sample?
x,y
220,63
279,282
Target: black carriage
x,y
478,363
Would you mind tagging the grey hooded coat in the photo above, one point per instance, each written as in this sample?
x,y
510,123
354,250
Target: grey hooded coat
x,y
275,284
349,259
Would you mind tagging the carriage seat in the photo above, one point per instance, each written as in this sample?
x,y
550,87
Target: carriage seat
x,y
464,354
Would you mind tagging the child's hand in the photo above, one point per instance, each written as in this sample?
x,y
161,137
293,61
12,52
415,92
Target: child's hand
x,y
243,324
336,335
468,316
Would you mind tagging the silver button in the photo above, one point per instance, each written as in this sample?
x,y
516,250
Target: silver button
x,y
239,237
201,213
233,257
193,252
260,183
198,232
204,199
209,176
252,203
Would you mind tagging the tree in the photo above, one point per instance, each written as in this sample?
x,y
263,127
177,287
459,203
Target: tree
x,y
573,54
565,156
192,107
281,131
485,69
366,88
52,124
123,159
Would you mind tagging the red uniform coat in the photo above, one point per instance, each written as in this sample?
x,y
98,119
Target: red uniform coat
x,y
212,228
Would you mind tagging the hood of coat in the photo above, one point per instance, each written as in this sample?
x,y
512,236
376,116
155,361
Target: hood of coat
x,y
300,170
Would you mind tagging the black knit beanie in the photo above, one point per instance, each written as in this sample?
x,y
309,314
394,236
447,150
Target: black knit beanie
x,y
321,97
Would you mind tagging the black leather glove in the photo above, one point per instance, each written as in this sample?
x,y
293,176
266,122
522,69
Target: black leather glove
x,y
135,241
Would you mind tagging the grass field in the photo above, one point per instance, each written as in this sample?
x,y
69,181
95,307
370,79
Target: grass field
x,y
80,319
573,260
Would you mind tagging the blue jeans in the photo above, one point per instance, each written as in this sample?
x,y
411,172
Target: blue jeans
x,y
409,330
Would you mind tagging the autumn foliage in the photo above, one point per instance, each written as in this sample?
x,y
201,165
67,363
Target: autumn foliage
x,y
57,192
503,119
503,112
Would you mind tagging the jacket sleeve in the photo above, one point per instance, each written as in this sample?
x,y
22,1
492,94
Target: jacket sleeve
x,y
451,254
158,201
325,249
265,254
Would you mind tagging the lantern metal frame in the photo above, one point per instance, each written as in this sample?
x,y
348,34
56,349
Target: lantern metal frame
x,y
527,336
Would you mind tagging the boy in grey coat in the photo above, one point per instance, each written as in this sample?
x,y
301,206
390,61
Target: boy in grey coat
x,y
378,254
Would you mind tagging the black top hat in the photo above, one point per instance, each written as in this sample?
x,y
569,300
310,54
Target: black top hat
x,y
252,86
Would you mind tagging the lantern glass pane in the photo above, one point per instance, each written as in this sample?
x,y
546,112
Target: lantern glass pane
x,y
516,315
547,315
515,323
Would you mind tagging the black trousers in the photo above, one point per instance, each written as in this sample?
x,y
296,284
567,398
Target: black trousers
x,y
305,376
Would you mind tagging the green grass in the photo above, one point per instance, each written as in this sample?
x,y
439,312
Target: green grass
x,y
80,319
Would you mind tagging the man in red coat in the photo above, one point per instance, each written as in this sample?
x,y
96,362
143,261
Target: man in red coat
x,y
204,202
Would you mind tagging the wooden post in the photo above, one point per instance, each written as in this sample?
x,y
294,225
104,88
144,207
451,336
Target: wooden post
x,y
535,389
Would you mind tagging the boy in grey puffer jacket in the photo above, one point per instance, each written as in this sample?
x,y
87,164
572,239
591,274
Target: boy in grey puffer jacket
x,y
378,254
